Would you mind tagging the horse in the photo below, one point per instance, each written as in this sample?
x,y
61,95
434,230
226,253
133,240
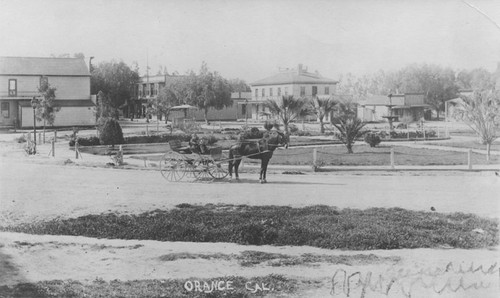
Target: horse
x,y
256,149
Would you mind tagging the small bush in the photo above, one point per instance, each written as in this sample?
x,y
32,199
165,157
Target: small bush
x,y
21,139
293,128
110,133
372,139
210,139
253,133
268,125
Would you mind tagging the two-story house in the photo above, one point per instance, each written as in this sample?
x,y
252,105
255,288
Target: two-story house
x,y
20,78
296,82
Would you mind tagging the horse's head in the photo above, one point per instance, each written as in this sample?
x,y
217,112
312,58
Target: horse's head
x,y
282,139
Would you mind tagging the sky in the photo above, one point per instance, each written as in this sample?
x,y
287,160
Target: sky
x,y
253,39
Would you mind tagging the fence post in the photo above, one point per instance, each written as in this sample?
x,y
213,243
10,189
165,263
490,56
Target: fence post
x,y
424,134
76,149
392,158
147,129
53,148
469,159
55,135
44,136
315,156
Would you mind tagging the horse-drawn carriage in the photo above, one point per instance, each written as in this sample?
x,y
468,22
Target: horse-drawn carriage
x,y
186,161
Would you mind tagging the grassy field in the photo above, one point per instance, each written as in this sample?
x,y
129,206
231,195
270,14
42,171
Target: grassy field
x,y
365,155
319,226
468,144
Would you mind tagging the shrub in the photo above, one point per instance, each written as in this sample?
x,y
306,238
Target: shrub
x,y
268,125
211,139
21,139
372,139
110,133
90,141
293,128
253,133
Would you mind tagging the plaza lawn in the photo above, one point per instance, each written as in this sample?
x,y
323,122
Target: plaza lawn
x,y
468,145
364,155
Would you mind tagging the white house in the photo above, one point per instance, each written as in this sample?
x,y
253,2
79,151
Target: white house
x,y
22,77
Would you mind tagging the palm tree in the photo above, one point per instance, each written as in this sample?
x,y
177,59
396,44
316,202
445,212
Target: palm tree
x,y
349,126
481,112
288,109
322,107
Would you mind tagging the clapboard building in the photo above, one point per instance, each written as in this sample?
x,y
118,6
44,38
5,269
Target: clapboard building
x,y
20,78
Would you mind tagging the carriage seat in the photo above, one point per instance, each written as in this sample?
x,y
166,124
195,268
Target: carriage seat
x,y
176,146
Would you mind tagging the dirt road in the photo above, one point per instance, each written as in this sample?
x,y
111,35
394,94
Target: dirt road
x,y
41,191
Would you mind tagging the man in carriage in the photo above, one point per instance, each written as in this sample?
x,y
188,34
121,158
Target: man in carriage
x,y
198,145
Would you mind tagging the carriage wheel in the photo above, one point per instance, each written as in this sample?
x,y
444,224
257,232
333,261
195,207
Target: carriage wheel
x,y
201,168
173,166
217,171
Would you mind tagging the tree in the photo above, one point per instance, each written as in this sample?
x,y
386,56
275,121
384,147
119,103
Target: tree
x,y
288,109
481,112
350,127
322,107
116,80
476,79
435,82
46,108
110,132
166,99
238,85
208,90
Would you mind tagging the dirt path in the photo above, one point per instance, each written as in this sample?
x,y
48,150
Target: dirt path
x,y
47,257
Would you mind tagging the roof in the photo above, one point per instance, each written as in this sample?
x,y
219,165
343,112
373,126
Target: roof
x,y
43,66
294,77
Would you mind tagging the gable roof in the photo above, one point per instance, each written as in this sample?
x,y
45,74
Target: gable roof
x,y
294,77
43,66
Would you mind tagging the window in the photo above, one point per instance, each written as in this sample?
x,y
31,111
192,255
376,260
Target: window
x,y
151,89
256,92
263,92
12,87
139,90
279,91
327,90
144,90
302,91
315,90
244,109
270,91
5,109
